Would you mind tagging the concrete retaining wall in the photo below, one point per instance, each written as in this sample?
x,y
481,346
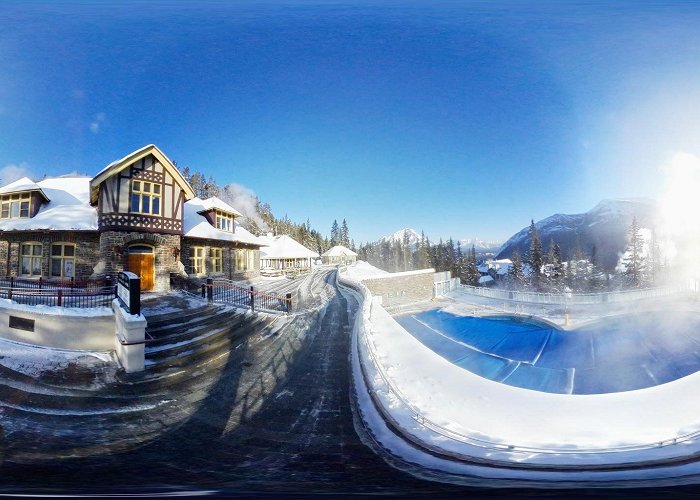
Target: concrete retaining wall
x,y
402,288
61,328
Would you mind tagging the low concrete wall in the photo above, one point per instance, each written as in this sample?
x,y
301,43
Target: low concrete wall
x,y
62,328
402,288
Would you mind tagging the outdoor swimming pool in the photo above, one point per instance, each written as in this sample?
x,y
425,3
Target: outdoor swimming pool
x,y
621,354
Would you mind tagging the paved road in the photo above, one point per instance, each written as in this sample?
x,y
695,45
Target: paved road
x,y
276,417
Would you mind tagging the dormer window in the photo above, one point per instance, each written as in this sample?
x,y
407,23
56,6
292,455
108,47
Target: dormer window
x,y
15,206
224,221
145,198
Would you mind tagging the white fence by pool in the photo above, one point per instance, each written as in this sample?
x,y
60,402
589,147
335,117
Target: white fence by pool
x,y
572,298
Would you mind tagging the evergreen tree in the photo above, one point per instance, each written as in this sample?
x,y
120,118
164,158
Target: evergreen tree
x,y
634,262
335,234
458,265
554,265
653,260
406,249
516,277
424,252
344,234
535,256
470,274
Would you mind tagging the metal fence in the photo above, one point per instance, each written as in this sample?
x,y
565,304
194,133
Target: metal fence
x,y
42,283
228,292
60,297
571,298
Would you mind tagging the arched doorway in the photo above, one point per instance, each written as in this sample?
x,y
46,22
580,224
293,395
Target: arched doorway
x,y
142,263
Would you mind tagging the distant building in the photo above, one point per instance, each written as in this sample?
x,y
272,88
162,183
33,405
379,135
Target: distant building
x,y
339,255
138,214
283,254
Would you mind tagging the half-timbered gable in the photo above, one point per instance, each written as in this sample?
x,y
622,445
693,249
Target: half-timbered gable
x,y
138,213
143,191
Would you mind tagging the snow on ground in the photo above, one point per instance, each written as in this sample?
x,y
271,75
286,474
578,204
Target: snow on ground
x,y
361,270
156,304
34,361
464,415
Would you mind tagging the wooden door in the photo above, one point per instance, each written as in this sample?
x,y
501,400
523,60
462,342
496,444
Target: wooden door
x,y
141,264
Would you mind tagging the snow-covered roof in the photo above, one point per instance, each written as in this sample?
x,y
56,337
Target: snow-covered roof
x,y
485,279
215,203
338,251
284,247
68,210
22,185
197,226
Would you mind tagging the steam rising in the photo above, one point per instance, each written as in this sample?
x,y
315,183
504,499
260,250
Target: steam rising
x,y
245,201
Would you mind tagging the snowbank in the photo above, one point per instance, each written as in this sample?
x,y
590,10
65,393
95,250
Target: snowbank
x,y
463,417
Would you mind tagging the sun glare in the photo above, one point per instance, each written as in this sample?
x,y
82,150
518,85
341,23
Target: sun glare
x,y
680,206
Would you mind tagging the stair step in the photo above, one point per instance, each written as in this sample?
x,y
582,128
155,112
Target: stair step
x,y
201,333
186,354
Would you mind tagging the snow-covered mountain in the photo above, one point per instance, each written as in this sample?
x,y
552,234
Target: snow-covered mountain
x,y
481,246
413,237
605,226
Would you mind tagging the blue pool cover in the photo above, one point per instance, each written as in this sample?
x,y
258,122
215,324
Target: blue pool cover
x,y
621,354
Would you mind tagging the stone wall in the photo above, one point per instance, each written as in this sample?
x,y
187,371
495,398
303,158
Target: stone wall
x,y
402,288
228,261
86,250
114,250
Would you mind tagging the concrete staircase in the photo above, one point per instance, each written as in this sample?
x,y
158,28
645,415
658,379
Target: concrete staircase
x,y
78,412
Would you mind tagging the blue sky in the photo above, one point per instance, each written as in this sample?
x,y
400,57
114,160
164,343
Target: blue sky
x,y
460,118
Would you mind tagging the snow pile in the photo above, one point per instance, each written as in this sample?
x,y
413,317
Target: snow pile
x,y
362,270
34,361
462,415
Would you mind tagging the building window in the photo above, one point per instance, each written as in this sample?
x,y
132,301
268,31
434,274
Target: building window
x,y
63,260
243,260
197,258
30,261
13,206
216,260
145,197
224,221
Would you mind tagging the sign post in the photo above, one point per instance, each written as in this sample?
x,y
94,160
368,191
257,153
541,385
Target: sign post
x,y
129,292
130,325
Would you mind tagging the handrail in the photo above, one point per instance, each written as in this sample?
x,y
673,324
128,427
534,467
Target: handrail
x,y
219,290
471,440
570,298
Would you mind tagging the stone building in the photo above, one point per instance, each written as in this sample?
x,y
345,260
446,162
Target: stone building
x,y
138,214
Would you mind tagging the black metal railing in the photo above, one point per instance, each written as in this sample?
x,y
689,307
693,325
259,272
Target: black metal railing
x,y
41,283
226,291
60,297
185,283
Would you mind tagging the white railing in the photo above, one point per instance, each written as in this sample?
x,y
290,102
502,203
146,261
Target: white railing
x,y
571,298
